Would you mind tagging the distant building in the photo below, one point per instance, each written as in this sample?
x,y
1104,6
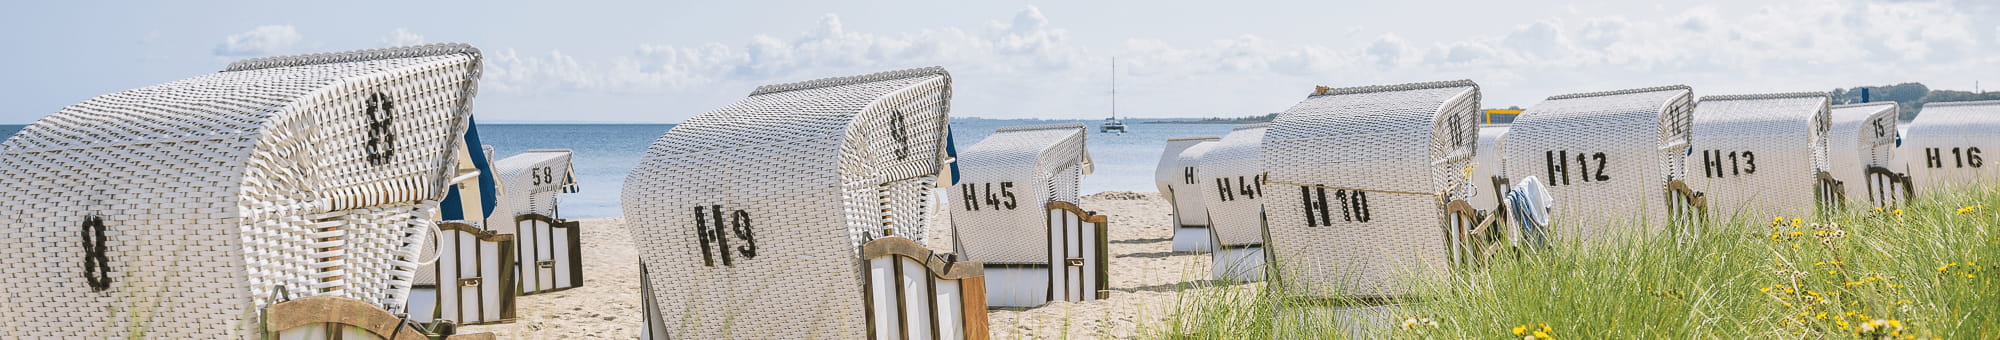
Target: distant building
x,y
1500,116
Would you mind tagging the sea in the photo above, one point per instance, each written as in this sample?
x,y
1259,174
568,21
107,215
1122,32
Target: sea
x,y
604,153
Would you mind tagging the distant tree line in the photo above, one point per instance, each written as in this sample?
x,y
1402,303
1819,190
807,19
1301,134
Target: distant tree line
x,y
1909,97
1263,118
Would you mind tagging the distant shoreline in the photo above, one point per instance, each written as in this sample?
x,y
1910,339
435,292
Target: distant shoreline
x,y
1230,121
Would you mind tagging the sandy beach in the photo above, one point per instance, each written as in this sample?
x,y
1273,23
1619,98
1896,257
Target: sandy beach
x,y
1144,272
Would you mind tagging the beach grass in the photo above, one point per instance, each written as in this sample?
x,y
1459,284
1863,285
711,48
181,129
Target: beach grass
x,y
1924,271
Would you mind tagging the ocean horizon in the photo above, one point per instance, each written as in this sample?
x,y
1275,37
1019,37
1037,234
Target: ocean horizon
x,y
606,152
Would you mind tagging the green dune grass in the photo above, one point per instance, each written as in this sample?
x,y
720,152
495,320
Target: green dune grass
x,y
1921,272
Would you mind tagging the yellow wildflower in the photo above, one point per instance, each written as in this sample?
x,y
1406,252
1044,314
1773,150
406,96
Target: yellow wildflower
x,y
1521,330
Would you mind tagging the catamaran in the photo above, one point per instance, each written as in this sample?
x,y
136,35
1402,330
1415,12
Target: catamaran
x,y
1113,124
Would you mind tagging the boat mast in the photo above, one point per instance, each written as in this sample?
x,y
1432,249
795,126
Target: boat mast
x,y
1114,88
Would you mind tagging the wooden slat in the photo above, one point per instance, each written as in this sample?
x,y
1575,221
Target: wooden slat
x,y
340,311
972,291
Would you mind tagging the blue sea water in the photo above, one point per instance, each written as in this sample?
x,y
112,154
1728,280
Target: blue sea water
x,y
606,152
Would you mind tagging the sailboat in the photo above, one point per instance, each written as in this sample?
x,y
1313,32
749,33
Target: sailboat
x,y
1113,124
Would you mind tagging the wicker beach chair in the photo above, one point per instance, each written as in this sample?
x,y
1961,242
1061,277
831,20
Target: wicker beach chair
x,y
1360,181
474,264
1175,177
1762,154
1004,215
1946,144
1488,201
282,197
1861,151
1489,167
1232,181
1607,159
786,188
550,255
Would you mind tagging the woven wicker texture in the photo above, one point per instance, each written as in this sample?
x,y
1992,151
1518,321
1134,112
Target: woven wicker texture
x,y
1949,145
1231,181
1862,135
1488,162
1404,147
1759,154
798,175
309,173
1004,181
1605,156
1175,174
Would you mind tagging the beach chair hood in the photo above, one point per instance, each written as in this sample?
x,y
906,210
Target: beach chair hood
x,y
1175,179
1761,154
1358,182
1949,145
1862,143
1008,179
1606,157
755,213
1231,181
209,198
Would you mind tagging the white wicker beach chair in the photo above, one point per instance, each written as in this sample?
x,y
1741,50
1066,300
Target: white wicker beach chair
x,y
1861,149
1489,174
551,257
1175,177
1002,216
751,219
1232,181
1607,158
1762,154
474,264
1364,176
1488,204
1945,146
197,208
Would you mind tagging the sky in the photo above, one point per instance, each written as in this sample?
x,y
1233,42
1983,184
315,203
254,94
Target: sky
x,y
665,61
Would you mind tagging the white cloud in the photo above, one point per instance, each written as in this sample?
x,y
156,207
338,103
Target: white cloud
x,y
1789,45
1389,50
263,40
402,37
1543,40
508,71
1026,43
